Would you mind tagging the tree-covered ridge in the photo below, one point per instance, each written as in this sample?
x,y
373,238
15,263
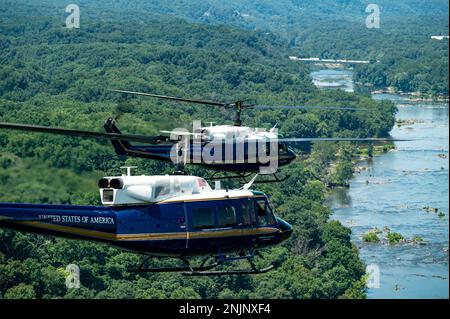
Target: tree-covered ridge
x,y
402,53
58,77
409,60
267,15
422,69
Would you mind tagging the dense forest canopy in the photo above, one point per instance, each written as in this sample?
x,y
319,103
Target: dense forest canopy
x,y
266,15
50,75
410,60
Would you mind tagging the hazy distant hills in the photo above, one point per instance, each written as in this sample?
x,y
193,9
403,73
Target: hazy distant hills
x,y
273,15
310,28
289,19
287,11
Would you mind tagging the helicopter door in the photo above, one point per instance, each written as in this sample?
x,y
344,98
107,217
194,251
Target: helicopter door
x,y
181,225
228,222
248,222
265,219
170,220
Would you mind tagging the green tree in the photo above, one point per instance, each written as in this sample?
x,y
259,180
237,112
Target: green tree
x,y
21,291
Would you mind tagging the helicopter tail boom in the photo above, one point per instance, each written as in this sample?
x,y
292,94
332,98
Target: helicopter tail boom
x,y
120,146
70,221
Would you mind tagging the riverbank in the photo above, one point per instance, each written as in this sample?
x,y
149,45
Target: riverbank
x,y
413,97
402,192
391,192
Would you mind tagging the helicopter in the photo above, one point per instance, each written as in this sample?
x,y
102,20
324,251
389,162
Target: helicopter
x,y
225,148
169,216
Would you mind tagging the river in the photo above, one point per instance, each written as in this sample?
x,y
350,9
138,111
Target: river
x,y
391,190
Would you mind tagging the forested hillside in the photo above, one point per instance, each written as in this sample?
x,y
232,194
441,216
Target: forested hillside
x,y
402,54
50,75
409,59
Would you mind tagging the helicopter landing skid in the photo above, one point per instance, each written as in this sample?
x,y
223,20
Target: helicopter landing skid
x,y
206,269
245,176
214,176
222,259
187,267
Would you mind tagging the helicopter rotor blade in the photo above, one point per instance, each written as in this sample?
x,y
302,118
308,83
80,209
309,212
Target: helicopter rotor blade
x,y
181,133
306,107
340,139
233,104
172,98
80,133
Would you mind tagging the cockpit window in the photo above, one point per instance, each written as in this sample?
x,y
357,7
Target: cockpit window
x,y
265,215
261,208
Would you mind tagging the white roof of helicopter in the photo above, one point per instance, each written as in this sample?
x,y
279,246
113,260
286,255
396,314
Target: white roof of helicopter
x,y
163,189
232,131
212,195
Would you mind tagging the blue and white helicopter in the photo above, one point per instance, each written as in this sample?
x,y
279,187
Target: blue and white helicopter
x,y
175,216
250,147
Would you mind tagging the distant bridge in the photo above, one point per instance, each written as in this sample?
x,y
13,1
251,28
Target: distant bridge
x,y
439,37
318,60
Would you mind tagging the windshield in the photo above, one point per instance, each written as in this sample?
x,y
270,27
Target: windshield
x,y
264,212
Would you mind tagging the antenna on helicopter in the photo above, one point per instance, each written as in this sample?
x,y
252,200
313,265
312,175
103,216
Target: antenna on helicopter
x,y
273,128
128,168
250,183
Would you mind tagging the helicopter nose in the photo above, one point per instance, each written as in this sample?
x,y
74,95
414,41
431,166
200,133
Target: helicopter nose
x,y
285,228
286,155
291,154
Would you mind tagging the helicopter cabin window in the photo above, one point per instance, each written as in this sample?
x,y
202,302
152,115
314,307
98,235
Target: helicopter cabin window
x,y
226,216
265,215
203,218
